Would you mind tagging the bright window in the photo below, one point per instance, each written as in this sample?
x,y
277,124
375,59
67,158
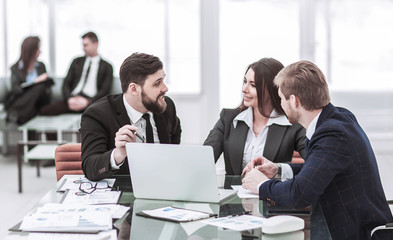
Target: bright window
x,y
251,30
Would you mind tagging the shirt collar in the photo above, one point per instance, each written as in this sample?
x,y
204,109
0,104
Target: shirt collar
x,y
94,59
311,128
133,114
247,117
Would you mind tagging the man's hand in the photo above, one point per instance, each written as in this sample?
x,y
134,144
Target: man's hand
x,y
124,135
253,179
78,103
267,167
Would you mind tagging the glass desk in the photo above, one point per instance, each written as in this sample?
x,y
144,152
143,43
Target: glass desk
x,y
136,227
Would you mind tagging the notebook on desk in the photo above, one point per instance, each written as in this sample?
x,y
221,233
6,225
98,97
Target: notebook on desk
x,y
174,172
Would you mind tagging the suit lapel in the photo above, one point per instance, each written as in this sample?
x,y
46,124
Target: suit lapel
x,y
236,145
121,112
99,72
274,137
162,131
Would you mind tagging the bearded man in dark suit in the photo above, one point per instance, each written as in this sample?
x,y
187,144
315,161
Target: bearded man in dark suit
x,y
142,113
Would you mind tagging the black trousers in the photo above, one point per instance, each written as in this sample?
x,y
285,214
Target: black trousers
x,y
27,105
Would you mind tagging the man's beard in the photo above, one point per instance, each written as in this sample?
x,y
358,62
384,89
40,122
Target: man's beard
x,y
293,116
153,106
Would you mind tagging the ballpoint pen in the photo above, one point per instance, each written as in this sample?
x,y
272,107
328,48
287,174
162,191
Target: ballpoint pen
x,y
133,131
138,136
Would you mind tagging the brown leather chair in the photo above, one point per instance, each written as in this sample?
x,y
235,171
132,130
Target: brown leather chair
x,y
296,158
68,160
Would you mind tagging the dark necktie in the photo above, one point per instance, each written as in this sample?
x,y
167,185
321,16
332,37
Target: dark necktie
x,y
86,76
149,129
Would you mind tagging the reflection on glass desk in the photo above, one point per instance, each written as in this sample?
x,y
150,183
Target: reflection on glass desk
x,y
137,227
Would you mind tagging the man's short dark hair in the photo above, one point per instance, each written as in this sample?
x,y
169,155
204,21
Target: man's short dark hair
x,y
137,67
90,35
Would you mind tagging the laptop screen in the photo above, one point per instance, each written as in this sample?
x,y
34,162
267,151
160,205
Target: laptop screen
x,y
173,172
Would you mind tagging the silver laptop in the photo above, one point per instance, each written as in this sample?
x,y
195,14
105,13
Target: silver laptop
x,y
174,172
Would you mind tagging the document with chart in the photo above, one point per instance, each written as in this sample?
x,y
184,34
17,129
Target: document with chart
x,y
68,218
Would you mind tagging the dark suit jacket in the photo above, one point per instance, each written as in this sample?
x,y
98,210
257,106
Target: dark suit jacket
x,y
104,78
99,124
17,77
341,173
280,143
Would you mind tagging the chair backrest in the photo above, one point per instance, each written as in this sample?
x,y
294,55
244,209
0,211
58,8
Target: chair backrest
x,y
296,158
68,159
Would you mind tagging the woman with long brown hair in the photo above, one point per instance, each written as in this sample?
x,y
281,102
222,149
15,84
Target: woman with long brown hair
x,y
258,127
30,85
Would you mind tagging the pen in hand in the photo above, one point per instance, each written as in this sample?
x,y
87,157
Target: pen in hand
x,y
138,136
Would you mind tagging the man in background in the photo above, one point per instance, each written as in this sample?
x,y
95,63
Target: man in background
x,y
340,176
89,78
142,113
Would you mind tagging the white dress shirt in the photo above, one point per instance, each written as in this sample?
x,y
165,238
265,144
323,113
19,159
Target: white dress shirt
x,y
139,122
255,145
90,87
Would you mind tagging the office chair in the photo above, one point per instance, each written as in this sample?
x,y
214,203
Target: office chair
x,y
383,228
386,227
68,160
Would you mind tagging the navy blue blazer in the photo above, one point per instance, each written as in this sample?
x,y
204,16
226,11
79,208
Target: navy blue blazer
x,y
341,173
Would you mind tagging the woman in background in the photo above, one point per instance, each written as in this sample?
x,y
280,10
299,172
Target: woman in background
x,y
30,85
258,127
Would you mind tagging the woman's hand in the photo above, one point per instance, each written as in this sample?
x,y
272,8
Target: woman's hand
x,y
41,78
267,167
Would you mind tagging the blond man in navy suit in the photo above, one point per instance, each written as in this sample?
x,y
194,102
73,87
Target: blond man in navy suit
x,y
340,176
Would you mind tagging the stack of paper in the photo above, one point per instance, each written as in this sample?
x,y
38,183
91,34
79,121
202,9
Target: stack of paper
x,y
107,235
54,217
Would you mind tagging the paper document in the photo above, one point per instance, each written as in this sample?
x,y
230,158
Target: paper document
x,y
175,214
54,217
67,222
73,183
97,197
244,193
107,235
238,223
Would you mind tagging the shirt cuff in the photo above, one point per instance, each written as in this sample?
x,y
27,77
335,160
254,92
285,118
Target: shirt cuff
x,y
286,172
114,166
259,185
